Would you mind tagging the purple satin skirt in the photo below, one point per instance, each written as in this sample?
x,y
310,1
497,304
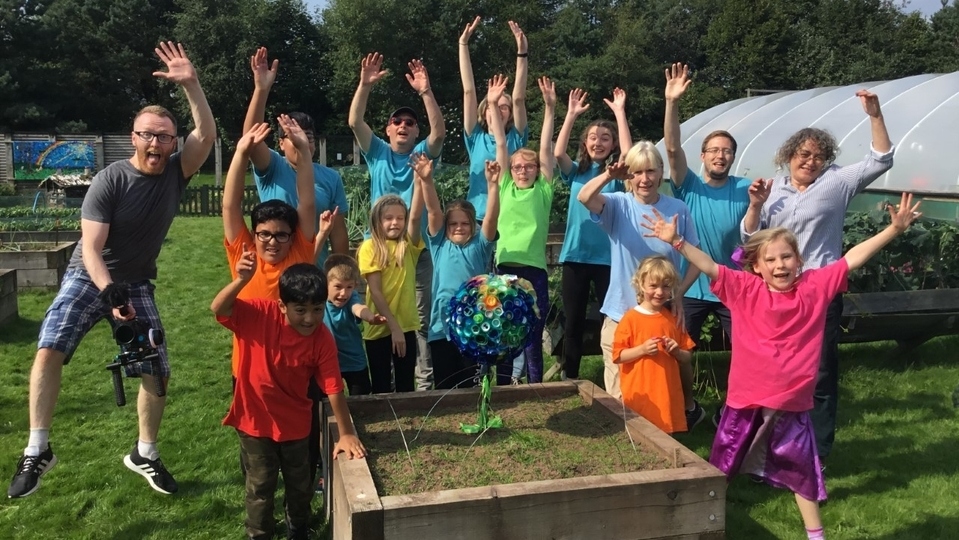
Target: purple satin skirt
x,y
777,446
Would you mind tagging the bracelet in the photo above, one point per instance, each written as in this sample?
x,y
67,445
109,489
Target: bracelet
x,y
678,244
522,54
423,93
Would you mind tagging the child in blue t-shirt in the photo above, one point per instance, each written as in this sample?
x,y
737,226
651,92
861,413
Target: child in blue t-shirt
x,y
344,311
459,251
586,252
480,145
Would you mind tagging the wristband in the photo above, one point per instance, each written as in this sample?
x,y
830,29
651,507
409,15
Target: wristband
x,y
423,93
678,244
522,55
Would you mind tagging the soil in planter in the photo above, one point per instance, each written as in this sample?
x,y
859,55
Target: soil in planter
x,y
29,246
542,439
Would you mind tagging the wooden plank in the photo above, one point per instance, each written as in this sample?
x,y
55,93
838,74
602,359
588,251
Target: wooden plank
x,y
611,506
899,326
356,508
8,281
462,396
901,302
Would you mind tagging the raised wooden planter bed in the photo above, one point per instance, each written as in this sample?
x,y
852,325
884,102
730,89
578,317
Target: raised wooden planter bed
x,y
686,500
54,237
41,267
8,296
908,317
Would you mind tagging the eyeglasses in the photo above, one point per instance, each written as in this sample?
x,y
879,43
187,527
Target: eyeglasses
x,y
715,150
266,236
805,155
504,108
310,137
161,138
529,167
406,121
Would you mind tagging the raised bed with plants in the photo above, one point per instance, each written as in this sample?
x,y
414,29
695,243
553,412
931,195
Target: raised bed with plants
x,y
570,462
39,264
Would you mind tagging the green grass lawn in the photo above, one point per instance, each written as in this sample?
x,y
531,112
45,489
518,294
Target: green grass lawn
x,y
894,472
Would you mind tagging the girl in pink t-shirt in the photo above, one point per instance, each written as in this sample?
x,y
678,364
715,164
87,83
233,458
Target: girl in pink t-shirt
x,y
778,312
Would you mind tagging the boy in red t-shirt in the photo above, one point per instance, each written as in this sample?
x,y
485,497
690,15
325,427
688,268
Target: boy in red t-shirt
x,y
282,344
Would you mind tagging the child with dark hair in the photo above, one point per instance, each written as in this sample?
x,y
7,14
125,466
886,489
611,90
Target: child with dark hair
x,y
344,313
282,345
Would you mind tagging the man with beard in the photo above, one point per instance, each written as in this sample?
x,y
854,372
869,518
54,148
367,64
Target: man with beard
x,y
124,219
717,203
390,171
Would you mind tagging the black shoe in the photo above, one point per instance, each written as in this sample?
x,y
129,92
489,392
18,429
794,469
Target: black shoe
x,y
156,474
717,416
29,470
695,416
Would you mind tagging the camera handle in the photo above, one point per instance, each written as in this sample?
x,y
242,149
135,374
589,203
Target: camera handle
x,y
125,358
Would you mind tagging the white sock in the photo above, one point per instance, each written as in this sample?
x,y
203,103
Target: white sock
x,y
148,450
38,442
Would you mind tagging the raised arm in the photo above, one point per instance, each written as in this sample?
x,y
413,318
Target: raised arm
x,y
522,75
497,85
305,192
880,136
618,106
434,209
222,305
419,79
903,215
180,71
233,219
677,81
758,193
370,74
667,232
591,194
422,177
264,75
577,106
546,158
327,222
466,76
491,221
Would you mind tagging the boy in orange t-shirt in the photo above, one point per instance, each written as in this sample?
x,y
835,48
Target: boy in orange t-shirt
x,y
282,345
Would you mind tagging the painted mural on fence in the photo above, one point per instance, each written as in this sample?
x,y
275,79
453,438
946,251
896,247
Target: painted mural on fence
x,y
36,160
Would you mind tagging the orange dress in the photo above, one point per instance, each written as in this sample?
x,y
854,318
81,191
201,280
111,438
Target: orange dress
x,y
651,385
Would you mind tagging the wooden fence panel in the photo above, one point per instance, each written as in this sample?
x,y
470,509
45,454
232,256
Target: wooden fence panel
x,y
208,201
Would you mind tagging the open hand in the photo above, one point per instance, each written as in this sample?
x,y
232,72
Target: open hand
x,y
255,136
870,103
179,68
246,265
521,46
660,228
618,103
618,171
577,101
677,81
264,74
905,213
377,320
469,30
418,78
370,69
759,191
423,166
548,89
497,87
351,446
294,132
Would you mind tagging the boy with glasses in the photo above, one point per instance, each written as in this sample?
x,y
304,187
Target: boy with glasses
x,y
390,170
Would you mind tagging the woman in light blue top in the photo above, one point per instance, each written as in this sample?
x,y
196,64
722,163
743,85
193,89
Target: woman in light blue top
x,y
585,255
480,145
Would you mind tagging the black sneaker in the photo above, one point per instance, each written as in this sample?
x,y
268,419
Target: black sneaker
x,y
695,416
156,474
717,416
29,470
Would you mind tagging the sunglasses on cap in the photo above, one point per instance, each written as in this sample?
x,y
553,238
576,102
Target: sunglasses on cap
x,y
406,121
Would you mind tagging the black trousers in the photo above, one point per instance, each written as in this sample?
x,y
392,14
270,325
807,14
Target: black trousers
x,y
826,395
385,366
450,369
576,280
695,312
265,459
358,382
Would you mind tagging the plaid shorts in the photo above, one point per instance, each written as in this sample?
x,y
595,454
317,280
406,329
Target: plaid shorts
x,y
77,307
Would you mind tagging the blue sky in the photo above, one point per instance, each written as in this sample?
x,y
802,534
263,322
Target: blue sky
x,y
927,7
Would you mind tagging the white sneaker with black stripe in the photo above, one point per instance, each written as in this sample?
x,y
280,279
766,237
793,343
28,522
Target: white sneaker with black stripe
x,y
153,470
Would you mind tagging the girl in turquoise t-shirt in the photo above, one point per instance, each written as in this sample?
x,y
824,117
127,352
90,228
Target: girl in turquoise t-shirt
x,y
460,251
526,196
480,145
585,256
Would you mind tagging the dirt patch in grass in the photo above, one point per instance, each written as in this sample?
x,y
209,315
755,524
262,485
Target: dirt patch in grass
x,y
542,439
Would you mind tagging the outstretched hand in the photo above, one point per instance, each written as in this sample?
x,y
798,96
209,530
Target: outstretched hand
x,y
677,81
618,170
370,69
293,131
759,191
350,446
179,68
493,174
548,88
418,78
264,74
618,103
423,166
521,45
469,30
660,228
905,213
246,265
255,136
870,103
577,101
497,87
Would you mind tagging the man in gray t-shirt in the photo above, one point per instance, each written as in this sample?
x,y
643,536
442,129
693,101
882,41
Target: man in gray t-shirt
x,y
125,216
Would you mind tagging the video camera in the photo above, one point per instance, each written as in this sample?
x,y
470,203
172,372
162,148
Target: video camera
x,y
138,343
